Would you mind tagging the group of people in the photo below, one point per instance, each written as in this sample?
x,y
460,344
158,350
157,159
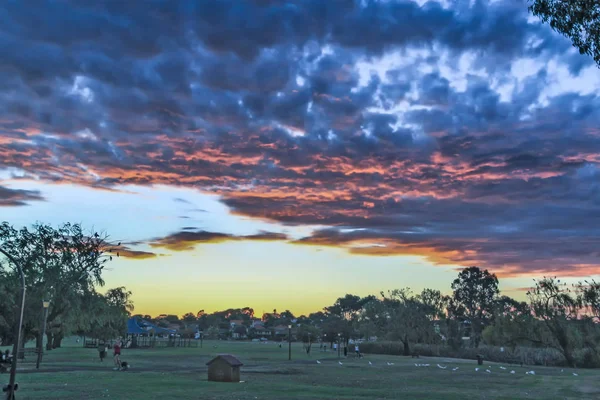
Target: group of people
x,y
103,350
323,347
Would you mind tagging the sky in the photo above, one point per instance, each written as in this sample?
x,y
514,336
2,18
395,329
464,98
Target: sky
x,y
280,154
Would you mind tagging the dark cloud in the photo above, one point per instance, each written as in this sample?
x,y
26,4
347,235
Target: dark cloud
x,y
124,251
186,240
17,197
180,200
405,122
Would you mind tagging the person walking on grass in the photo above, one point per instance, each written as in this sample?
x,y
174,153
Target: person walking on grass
x,y
357,351
102,351
117,355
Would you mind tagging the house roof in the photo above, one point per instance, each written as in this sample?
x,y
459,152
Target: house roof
x,y
228,358
260,327
133,328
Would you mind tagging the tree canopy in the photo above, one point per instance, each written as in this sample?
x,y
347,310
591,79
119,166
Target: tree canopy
x,y
577,20
64,266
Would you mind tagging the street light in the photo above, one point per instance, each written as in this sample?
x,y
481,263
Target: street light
x,y
290,342
45,305
10,390
338,343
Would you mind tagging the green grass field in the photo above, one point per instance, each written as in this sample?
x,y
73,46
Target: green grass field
x,y
73,372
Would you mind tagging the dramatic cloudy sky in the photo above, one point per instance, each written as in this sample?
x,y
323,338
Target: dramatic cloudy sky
x,y
279,154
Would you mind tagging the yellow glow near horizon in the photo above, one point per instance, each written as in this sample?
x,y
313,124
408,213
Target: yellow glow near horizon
x,y
264,276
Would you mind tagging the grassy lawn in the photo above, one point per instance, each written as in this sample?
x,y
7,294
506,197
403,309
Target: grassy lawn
x,y
73,372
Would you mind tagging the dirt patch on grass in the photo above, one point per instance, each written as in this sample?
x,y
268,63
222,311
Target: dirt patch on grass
x,y
589,389
273,371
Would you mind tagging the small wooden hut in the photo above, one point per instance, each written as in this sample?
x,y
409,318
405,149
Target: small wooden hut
x,y
224,368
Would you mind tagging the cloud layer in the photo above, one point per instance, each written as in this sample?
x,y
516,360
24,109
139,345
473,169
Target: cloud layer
x,y
467,134
16,197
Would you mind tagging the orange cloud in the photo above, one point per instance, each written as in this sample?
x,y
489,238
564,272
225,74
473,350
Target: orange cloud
x,y
186,240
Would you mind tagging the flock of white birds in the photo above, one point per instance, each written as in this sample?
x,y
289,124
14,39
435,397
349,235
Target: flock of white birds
x,y
488,369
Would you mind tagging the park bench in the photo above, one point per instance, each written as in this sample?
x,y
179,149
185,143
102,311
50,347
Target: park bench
x,y
28,351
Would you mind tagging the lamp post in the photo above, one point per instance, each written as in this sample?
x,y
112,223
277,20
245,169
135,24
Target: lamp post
x,y
338,343
10,392
45,305
290,342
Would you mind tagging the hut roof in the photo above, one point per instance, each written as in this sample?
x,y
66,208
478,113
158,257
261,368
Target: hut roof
x,y
228,358
133,328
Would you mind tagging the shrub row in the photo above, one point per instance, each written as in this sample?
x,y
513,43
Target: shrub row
x,y
527,355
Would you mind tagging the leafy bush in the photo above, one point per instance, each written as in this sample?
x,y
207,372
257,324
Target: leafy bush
x,y
526,355
588,358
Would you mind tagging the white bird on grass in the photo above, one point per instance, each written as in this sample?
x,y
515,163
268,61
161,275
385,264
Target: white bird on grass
x,y
530,373
512,372
455,369
318,362
574,374
389,363
476,369
425,365
501,367
439,366
339,362
488,371
370,363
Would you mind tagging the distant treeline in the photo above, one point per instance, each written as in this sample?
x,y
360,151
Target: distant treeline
x,y
558,325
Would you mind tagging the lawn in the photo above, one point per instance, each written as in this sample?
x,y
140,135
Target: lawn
x,y
73,372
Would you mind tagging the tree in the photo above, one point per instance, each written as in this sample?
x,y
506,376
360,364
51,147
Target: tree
x,y
189,318
577,20
248,311
475,293
172,318
552,302
8,298
407,318
241,330
104,316
120,298
60,265
308,334
588,294
347,307
347,310
435,302
513,323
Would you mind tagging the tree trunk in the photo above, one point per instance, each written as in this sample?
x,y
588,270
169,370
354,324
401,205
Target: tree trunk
x,y
569,358
21,354
406,347
57,341
49,342
476,339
